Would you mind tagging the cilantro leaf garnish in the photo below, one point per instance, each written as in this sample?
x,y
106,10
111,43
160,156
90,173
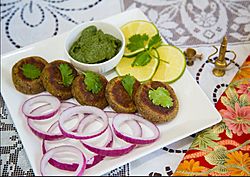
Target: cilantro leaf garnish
x,y
92,82
67,74
155,41
30,71
160,97
128,83
137,42
142,59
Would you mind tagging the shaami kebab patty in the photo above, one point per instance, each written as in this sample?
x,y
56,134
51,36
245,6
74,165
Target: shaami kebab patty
x,y
149,110
26,75
155,101
91,97
118,97
57,78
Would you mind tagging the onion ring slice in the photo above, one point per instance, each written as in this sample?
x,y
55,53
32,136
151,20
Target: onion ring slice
x,y
48,135
29,112
85,110
61,149
109,151
92,161
121,118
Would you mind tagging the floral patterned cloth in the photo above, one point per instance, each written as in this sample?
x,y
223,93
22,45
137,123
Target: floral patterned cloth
x,y
224,148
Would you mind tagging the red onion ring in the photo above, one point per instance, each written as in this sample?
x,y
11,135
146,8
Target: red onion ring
x,y
43,134
92,161
29,112
109,151
46,106
111,114
67,114
133,124
65,105
114,151
98,158
55,163
47,135
121,118
61,149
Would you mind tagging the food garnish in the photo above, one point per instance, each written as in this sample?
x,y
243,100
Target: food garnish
x,y
155,42
128,83
57,77
143,73
30,71
120,92
137,42
26,74
81,90
67,74
60,150
160,97
156,101
173,67
144,45
121,118
92,82
49,100
142,59
139,27
71,135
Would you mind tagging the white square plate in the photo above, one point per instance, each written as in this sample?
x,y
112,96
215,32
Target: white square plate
x,y
195,114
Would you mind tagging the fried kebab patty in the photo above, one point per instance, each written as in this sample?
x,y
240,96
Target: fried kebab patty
x,y
85,97
118,98
52,80
151,112
24,84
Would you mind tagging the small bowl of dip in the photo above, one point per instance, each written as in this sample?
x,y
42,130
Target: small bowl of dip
x,y
97,46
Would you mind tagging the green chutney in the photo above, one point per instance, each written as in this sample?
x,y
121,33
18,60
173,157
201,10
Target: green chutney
x,y
94,46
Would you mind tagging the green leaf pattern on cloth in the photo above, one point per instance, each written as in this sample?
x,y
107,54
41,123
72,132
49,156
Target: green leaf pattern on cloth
x,y
220,169
205,139
232,96
226,101
217,157
244,101
221,127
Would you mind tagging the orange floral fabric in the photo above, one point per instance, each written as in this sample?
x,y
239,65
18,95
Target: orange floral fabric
x,y
224,149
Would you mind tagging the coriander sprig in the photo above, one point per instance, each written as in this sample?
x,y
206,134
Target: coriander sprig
x,y
67,74
138,41
92,81
30,71
128,83
160,97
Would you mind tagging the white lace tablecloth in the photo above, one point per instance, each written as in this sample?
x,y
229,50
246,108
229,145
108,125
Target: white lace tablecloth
x,y
185,23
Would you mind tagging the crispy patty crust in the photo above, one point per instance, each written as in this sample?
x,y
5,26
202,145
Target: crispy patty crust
x,y
52,79
151,112
26,85
85,97
118,98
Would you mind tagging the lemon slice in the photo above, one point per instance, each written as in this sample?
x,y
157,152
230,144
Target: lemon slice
x,y
137,27
173,68
141,73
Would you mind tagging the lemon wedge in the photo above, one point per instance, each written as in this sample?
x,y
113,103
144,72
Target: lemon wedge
x,y
137,27
173,65
141,73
